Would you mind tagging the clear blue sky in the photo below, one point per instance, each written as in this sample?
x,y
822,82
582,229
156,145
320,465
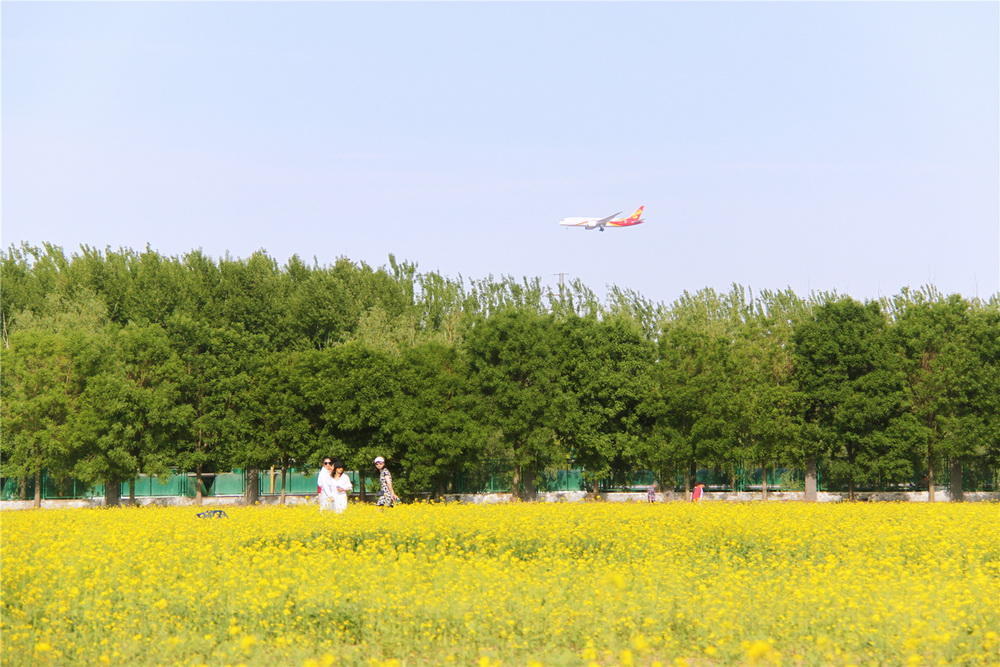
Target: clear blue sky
x,y
817,146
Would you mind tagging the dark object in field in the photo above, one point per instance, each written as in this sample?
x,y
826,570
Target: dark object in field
x,y
213,514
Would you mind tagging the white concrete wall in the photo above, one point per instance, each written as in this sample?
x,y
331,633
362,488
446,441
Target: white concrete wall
x,y
714,496
547,497
164,501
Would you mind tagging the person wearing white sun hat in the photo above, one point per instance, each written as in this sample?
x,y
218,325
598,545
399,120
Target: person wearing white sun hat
x,y
388,497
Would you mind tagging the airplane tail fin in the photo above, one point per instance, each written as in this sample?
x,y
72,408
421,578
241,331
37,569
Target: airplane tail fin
x,y
637,215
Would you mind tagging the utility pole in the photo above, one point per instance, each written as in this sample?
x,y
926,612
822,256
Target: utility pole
x,y
562,284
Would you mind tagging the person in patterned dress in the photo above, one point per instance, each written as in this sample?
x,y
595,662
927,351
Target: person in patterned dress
x,y
388,498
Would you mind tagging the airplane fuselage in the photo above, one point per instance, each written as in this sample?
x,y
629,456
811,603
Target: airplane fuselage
x,y
586,223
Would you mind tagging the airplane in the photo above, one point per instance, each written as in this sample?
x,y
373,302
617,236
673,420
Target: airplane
x,y
601,223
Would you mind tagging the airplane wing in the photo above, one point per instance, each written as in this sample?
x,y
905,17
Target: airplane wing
x,y
604,221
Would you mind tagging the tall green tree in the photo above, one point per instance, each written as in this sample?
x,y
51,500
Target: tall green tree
x,y
432,417
48,360
604,373
216,363
41,388
686,405
970,430
511,357
763,408
853,391
931,337
132,413
278,417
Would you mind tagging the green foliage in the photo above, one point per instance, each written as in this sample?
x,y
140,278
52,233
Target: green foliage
x,y
118,362
686,407
349,390
604,374
432,420
131,413
853,388
49,360
514,370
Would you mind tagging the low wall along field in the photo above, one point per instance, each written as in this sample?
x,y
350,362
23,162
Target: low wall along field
x,y
520,584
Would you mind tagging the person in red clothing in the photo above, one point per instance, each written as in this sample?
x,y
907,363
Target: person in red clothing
x,y
698,492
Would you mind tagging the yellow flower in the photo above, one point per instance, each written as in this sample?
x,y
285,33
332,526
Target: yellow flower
x,y
761,651
517,580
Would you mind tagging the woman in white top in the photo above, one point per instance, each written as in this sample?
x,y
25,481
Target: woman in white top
x,y
325,486
342,487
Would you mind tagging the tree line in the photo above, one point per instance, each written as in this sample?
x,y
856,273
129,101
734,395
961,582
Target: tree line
x,y
123,362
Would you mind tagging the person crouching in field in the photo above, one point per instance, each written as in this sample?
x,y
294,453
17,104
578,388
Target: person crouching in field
x,y
388,498
342,486
325,489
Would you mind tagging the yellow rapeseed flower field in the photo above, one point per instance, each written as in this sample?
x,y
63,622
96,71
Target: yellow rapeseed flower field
x,y
522,584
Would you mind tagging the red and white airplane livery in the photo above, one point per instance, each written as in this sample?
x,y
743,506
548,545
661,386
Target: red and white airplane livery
x,y
601,223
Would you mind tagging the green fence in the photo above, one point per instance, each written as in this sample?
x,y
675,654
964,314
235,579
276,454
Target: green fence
x,y
297,481
739,479
493,479
67,488
51,489
174,485
229,483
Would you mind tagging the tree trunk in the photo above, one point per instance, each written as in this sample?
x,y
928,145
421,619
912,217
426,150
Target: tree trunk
x,y
199,486
131,492
38,488
284,470
361,483
956,481
850,487
763,482
112,493
810,479
528,484
930,480
692,476
251,492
